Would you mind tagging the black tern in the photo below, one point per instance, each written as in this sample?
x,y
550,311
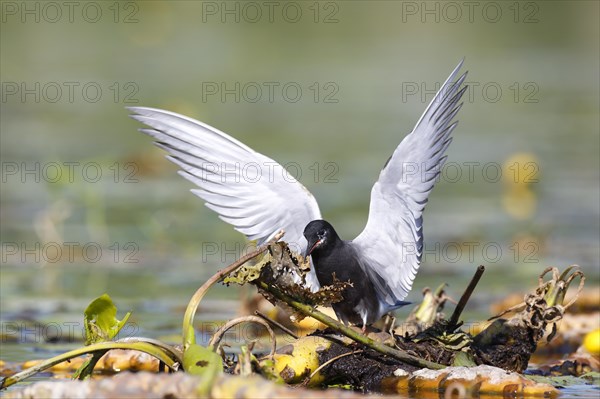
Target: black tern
x,y
254,194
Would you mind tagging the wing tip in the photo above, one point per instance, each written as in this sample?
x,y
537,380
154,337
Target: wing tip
x,y
141,111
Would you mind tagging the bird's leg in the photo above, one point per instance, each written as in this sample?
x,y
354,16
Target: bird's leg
x,y
389,323
364,320
392,326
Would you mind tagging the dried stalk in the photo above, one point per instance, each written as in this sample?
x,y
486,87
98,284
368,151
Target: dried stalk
x,y
189,336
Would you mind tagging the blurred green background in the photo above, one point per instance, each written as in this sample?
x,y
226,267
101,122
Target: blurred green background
x,y
89,205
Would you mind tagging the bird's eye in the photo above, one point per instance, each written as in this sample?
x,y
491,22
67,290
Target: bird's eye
x,y
321,233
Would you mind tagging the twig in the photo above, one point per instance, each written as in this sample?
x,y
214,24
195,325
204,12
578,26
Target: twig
x,y
453,324
333,359
516,308
276,324
347,331
189,336
216,338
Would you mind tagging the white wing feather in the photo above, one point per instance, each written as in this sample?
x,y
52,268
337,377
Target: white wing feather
x,y
392,242
247,189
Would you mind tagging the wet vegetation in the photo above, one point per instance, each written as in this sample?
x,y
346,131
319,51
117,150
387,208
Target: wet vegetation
x,y
436,355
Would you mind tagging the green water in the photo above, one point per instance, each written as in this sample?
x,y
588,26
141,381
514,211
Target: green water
x,y
89,206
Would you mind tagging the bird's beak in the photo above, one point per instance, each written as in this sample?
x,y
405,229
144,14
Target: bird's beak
x,y
311,248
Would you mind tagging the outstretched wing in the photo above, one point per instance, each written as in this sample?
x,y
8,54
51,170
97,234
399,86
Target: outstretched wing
x,y
247,189
392,242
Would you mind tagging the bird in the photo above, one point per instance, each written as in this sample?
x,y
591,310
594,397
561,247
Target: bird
x,y
253,193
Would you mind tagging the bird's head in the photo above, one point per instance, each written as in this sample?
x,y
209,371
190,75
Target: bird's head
x,y
319,235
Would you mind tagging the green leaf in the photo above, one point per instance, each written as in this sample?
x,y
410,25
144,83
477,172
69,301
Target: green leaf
x,y
201,361
463,359
100,320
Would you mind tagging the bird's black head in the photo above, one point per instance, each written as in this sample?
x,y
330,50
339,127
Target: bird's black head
x,y
320,235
